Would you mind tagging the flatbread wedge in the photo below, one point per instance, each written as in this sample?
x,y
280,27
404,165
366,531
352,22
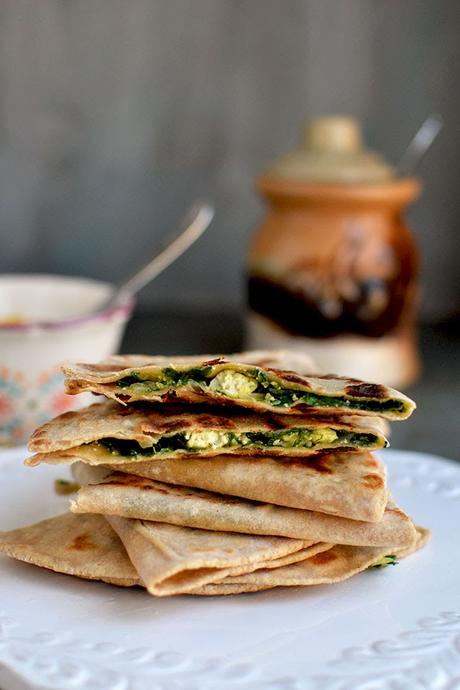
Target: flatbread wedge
x,y
109,433
172,560
100,556
125,495
334,565
351,485
80,545
224,380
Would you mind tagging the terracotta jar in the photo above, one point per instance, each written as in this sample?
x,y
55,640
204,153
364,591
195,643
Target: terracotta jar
x,y
333,267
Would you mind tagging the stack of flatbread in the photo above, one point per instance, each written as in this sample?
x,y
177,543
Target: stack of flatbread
x,y
219,476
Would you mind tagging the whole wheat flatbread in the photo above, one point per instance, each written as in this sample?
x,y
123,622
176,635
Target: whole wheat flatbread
x,y
126,495
351,485
172,560
153,432
80,545
334,565
85,546
341,393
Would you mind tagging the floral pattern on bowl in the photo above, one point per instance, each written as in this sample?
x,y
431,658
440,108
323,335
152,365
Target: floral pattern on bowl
x,y
57,324
25,404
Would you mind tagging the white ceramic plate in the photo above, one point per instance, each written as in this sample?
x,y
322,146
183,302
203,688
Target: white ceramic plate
x,y
393,628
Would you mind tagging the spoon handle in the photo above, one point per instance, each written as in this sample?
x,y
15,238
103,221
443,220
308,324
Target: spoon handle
x,y
420,144
195,223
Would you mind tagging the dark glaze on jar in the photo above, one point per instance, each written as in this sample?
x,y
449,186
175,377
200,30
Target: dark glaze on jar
x,y
334,259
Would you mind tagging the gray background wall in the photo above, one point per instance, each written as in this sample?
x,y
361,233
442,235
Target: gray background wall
x,y
116,114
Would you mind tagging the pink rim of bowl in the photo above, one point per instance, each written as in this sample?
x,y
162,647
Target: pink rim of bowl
x,y
123,310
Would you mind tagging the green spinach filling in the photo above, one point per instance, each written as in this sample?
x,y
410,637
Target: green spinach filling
x,y
254,384
169,376
390,559
197,441
286,397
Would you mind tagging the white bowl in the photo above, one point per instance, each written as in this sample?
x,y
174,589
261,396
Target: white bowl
x,y
44,321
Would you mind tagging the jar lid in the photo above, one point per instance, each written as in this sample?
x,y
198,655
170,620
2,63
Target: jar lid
x,y
332,150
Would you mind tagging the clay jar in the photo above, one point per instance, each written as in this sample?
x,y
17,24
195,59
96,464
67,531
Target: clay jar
x,y
333,271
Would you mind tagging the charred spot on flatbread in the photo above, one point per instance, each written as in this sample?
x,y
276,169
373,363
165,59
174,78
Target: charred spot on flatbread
x,y
366,390
321,463
82,542
372,481
213,362
323,558
291,377
336,377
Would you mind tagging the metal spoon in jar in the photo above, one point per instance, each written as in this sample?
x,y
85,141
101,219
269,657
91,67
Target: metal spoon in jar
x,y
419,145
193,226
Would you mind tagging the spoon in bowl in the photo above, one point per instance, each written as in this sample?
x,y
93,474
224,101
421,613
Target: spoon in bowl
x,y
192,227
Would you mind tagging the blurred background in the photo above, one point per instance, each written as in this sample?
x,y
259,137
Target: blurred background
x,y
115,116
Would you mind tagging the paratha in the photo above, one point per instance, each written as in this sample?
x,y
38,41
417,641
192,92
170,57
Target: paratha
x,y
223,380
125,495
109,433
87,547
80,545
172,560
334,565
351,485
